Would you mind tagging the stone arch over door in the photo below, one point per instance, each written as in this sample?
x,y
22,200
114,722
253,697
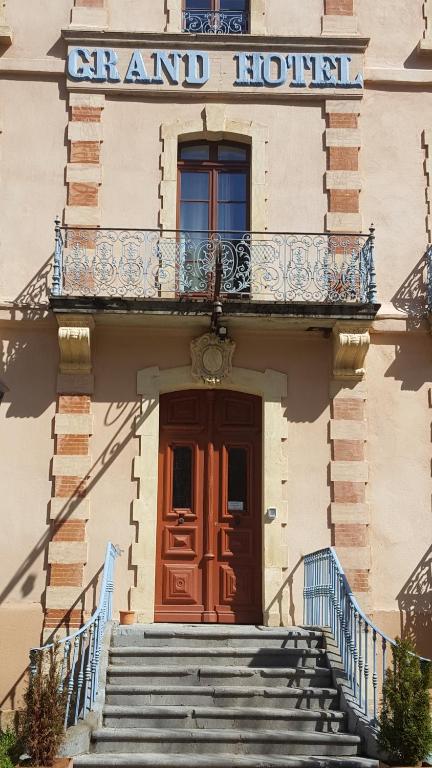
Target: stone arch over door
x,y
214,125
257,16
271,386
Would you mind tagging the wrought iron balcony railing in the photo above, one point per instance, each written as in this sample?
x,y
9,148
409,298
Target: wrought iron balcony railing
x,y
216,22
250,267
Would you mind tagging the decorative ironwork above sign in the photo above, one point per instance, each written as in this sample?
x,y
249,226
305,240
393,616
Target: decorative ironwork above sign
x,y
211,358
215,71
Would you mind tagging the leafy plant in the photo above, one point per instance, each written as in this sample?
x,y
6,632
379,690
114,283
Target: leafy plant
x,y
9,748
405,731
45,701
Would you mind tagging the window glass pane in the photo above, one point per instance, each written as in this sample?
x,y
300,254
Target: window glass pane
x,y
194,216
232,186
194,185
182,477
197,5
237,480
228,153
233,5
199,152
232,218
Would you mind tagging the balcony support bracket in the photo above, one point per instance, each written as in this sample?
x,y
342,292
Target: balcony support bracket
x,y
350,347
74,336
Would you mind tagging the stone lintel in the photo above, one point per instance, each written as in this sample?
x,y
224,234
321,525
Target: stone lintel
x,y
75,384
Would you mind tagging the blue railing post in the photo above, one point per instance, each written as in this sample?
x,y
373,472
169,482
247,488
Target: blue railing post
x,y
328,599
79,672
372,293
58,260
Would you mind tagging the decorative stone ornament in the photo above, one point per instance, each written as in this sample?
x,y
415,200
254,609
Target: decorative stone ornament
x,y
350,346
74,342
211,358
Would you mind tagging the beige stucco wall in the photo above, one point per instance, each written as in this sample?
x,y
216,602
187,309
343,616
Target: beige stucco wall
x,y
33,155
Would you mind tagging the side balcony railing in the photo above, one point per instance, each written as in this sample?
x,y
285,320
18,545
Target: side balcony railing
x,y
204,22
250,267
365,650
80,652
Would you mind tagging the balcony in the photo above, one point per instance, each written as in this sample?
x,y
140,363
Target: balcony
x,y
253,273
215,22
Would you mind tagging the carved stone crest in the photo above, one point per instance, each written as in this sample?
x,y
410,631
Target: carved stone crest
x,y
211,358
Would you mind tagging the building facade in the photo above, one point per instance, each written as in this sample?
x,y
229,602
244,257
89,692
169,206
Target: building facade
x,y
219,357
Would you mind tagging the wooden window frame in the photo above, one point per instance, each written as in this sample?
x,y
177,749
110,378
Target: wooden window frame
x,y
214,166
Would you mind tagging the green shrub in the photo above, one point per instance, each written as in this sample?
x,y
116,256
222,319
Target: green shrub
x,y
405,731
43,727
9,749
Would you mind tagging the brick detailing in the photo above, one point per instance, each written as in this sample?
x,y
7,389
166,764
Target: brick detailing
x,y
93,115
83,194
350,530
342,120
358,580
348,409
65,487
348,450
74,404
342,159
343,201
339,7
348,492
85,113
66,575
85,152
65,529
350,535
70,530
59,618
72,445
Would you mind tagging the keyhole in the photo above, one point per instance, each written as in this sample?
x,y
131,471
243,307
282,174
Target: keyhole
x,y
181,520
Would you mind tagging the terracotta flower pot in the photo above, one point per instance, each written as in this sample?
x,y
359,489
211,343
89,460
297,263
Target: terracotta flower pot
x,y
127,617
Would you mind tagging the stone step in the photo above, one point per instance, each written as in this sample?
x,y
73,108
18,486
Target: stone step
x,y
192,741
247,656
301,677
224,717
151,760
169,635
223,696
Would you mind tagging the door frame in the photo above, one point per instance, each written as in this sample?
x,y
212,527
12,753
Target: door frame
x,y
271,386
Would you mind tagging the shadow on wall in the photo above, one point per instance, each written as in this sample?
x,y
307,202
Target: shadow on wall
x,y
412,296
30,304
88,596
415,606
279,599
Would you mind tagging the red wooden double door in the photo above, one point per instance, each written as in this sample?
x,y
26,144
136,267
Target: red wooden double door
x,y
209,540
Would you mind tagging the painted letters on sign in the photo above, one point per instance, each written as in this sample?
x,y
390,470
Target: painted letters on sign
x,y
193,68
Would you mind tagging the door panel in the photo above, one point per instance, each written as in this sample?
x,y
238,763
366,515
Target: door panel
x,y
208,566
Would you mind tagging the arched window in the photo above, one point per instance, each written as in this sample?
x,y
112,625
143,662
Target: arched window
x,y
214,208
228,17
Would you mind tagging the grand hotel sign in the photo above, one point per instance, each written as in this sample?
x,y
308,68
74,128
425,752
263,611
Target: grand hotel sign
x,y
289,72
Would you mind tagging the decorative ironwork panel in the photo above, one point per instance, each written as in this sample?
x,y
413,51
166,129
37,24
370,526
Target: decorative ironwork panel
x,y
257,267
216,22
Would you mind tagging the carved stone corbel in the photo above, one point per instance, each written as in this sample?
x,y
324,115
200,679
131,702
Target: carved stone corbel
x,y
211,358
74,337
350,346
5,30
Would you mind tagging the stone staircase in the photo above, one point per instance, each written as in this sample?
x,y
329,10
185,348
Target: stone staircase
x,y
182,696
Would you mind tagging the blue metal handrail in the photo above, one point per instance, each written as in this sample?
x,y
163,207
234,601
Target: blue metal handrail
x,y
329,601
79,672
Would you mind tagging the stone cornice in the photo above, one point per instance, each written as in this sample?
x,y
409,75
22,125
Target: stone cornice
x,y
209,42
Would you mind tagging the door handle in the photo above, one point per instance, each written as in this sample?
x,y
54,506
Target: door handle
x,y
180,520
